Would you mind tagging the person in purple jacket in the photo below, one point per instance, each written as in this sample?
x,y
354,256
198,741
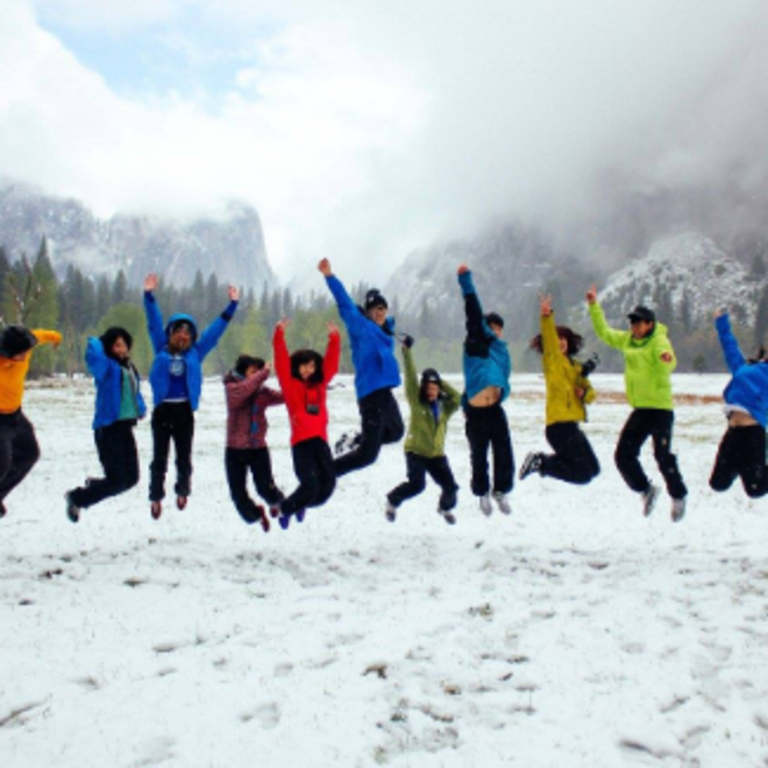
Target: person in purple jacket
x,y
742,449
372,339
247,402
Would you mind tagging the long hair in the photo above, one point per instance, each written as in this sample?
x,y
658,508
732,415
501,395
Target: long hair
x,y
575,341
303,356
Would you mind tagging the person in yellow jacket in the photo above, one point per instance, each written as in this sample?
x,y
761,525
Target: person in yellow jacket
x,y
18,445
649,361
568,393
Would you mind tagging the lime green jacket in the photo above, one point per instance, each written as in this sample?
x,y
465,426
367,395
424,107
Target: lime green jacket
x,y
426,437
647,378
562,376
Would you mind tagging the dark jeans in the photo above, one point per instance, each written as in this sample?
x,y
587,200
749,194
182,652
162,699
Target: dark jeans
x,y
488,428
171,421
418,467
741,454
238,461
642,424
382,424
573,460
313,464
19,450
117,454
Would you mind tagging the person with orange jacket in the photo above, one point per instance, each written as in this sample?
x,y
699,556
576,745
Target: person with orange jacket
x,y
19,450
304,377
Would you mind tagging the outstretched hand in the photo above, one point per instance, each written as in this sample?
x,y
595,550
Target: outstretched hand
x,y
150,282
333,329
591,294
282,324
234,293
545,304
462,269
325,267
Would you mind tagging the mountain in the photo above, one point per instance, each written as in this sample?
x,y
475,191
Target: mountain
x,y
231,245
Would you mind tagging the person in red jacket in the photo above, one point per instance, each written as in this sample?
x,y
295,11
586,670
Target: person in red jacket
x,y
247,401
304,377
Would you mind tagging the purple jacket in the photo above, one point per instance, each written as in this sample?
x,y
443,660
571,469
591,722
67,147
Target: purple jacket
x,y
247,402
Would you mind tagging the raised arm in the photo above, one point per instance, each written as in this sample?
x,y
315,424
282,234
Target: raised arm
x,y
332,353
472,308
350,314
45,336
453,398
152,311
282,358
409,374
550,343
211,335
238,392
610,336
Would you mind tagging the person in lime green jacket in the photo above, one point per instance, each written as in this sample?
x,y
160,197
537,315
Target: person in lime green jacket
x,y
568,393
649,362
433,401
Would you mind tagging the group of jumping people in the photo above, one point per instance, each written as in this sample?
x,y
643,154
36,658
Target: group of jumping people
x,y
304,377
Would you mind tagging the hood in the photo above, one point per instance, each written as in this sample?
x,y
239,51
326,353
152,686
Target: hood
x,y
659,329
180,316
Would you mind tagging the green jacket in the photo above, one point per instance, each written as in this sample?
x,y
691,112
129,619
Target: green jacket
x,y
426,437
647,378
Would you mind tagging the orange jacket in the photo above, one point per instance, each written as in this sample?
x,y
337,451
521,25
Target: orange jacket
x,y
13,373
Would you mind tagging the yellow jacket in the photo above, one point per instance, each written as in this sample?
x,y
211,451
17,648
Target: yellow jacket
x,y
13,373
562,376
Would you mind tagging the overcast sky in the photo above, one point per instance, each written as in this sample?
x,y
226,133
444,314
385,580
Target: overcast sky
x,y
360,129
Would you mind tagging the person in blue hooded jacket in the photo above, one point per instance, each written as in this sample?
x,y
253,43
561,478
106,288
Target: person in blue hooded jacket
x,y
742,449
176,378
372,339
119,405
487,368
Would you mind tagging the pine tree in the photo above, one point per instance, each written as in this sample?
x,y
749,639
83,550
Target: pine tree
x,y
761,318
44,311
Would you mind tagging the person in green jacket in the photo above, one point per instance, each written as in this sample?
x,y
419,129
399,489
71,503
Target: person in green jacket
x,y
649,362
433,401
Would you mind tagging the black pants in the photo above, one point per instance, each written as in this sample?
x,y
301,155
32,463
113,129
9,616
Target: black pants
x,y
19,450
382,424
238,461
642,424
741,454
313,464
171,421
418,467
117,454
488,428
573,460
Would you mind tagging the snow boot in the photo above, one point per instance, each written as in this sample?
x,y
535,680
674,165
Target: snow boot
x,y
650,497
485,505
156,509
678,510
390,512
73,511
284,520
300,515
181,502
502,502
447,515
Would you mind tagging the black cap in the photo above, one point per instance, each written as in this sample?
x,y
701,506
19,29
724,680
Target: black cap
x,y
374,298
15,340
494,318
430,376
642,313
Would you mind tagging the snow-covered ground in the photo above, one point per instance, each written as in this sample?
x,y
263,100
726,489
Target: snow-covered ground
x,y
573,633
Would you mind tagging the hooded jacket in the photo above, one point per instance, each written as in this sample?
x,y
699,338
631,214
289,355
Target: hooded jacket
x,y
426,437
108,375
373,347
247,402
749,386
647,378
562,376
159,375
306,401
486,358
14,372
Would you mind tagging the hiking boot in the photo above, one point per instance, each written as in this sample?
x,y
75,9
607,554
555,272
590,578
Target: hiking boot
x,y
390,512
650,497
678,510
447,515
485,505
502,502
73,511
156,509
532,463
181,502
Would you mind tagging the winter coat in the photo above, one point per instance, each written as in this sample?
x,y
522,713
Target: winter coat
x,y
14,372
159,375
108,375
426,437
306,401
563,376
247,402
647,378
749,386
486,358
373,347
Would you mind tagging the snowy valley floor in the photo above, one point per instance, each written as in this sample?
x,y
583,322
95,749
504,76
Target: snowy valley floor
x,y
574,633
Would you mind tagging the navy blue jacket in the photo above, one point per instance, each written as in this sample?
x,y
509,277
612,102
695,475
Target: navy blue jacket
x,y
108,375
373,348
749,386
159,375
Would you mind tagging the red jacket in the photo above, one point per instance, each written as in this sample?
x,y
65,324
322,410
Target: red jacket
x,y
247,401
306,401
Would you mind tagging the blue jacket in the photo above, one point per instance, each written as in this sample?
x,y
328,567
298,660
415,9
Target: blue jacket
x,y
749,386
159,375
108,375
373,348
486,358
